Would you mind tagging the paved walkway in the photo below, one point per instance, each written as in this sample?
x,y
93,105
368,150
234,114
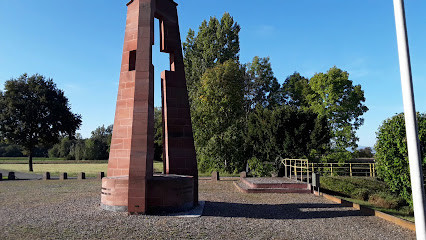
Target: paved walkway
x,y
22,176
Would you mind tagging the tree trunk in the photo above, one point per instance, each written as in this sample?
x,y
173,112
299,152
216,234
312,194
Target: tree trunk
x,y
30,161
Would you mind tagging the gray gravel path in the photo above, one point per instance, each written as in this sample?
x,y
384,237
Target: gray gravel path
x,y
22,176
70,210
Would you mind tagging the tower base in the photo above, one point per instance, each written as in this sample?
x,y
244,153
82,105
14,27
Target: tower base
x,y
165,194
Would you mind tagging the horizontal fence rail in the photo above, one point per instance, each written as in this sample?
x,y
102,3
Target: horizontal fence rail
x,y
302,169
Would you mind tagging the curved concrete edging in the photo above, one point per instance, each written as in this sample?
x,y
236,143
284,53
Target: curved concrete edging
x,y
398,221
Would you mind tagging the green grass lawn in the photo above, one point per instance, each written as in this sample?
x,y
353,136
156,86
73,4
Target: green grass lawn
x,y
90,169
57,165
24,160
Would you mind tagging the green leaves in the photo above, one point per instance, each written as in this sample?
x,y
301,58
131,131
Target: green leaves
x,y
217,117
392,153
287,132
33,111
333,96
262,88
215,43
230,100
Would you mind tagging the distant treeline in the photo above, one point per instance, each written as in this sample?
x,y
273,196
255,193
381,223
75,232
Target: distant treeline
x,y
94,148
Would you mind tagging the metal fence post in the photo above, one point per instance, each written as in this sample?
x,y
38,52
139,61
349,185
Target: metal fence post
x,y
374,170
350,168
371,172
307,172
295,169
285,167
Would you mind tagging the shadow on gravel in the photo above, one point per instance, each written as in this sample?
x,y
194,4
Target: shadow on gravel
x,y
279,211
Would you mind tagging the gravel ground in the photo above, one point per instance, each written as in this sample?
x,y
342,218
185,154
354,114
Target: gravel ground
x,y
70,210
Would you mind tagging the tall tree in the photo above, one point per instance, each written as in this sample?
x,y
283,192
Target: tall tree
x,y
215,43
101,138
287,132
262,87
295,90
218,116
334,96
34,112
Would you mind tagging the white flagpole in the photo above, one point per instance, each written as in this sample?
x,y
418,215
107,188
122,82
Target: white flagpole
x,y
410,121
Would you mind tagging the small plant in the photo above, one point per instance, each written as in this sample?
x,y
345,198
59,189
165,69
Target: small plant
x,y
361,194
258,168
386,200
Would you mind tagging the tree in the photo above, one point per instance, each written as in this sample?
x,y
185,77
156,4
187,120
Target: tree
x,y
218,115
34,112
97,147
158,134
366,152
295,90
392,154
215,43
262,88
10,150
334,96
287,132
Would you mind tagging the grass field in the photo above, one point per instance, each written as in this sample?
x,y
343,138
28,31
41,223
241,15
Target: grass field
x,y
90,169
24,160
72,167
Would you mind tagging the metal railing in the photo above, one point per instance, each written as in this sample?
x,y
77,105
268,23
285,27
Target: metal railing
x,y
301,169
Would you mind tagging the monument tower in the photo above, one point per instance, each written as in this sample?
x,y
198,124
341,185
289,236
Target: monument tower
x,y
130,184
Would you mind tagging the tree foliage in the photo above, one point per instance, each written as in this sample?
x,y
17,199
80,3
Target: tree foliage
x,y
239,113
392,154
215,43
262,87
217,118
295,90
366,152
94,148
34,112
287,132
335,97
158,134
10,150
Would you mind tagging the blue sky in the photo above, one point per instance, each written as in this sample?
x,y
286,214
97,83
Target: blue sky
x,y
79,44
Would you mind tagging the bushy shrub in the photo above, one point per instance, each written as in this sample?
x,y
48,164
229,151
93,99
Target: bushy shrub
x,y
258,168
363,188
361,194
392,154
386,200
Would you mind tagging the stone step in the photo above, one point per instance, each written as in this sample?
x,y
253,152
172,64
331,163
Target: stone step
x,y
284,184
242,187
